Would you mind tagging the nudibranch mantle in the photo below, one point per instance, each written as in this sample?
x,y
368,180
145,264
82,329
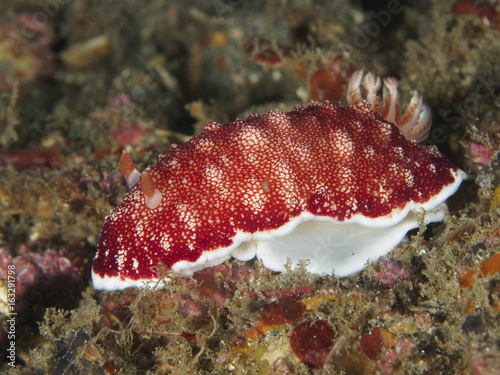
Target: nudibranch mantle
x,y
334,184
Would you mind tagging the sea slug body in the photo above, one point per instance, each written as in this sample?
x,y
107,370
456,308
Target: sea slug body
x,y
334,184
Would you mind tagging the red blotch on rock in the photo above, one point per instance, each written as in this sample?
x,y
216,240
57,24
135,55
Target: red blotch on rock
x,y
483,9
312,341
31,159
394,270
127,133
188,336
326,85
371,344
284,310
111,367
481,154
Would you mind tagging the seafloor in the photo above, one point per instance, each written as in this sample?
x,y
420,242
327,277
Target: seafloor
x,y
82,80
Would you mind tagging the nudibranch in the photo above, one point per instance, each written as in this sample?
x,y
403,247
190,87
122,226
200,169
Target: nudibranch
x,y
337,185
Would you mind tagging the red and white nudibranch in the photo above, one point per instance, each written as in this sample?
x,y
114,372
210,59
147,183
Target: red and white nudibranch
x,y
337,185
